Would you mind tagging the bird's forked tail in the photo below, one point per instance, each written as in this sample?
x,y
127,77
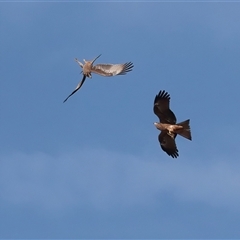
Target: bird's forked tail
x,y
185,131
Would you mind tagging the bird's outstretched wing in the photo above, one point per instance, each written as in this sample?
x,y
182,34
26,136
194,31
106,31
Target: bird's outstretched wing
x,y
168,144
161,108
77,88
108,70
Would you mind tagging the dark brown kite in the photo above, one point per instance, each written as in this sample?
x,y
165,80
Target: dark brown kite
x,y
106,70
168,126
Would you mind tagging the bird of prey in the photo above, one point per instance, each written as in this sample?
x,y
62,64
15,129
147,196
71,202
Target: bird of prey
x,y
106,70
168,126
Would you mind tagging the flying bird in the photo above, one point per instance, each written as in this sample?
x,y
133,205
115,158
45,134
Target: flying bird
x,y
168,126
106,70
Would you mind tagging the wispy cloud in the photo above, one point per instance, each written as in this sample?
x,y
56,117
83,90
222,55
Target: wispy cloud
x,y
104,180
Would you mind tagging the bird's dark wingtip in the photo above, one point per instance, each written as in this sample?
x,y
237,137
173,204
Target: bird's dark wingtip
x,y
128,67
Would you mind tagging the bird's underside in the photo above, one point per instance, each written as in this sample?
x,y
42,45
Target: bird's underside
x,y
108,70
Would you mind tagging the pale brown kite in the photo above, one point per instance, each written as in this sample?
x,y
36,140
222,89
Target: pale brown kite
x,y
106,70
167,125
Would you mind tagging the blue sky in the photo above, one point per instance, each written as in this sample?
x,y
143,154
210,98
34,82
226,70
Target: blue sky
x,y
92,167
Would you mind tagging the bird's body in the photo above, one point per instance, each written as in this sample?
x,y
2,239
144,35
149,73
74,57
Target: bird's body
x,y
87,67
168,126
170,129
106,70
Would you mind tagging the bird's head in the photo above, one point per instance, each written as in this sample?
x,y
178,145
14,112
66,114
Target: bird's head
x,y
157,125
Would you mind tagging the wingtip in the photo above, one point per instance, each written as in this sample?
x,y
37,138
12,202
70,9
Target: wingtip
x,y
163,94
128,67
174,155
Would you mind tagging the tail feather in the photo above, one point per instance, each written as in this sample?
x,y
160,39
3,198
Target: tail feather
x,y
185,131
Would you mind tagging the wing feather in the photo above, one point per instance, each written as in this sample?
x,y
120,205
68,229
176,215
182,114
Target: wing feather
x,y
161,108
79,63
109,70
77,88
168,144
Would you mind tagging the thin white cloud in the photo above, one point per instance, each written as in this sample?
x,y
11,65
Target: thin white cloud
x,y
105,180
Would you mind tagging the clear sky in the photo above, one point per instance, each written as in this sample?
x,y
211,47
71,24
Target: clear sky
x,y
92,167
